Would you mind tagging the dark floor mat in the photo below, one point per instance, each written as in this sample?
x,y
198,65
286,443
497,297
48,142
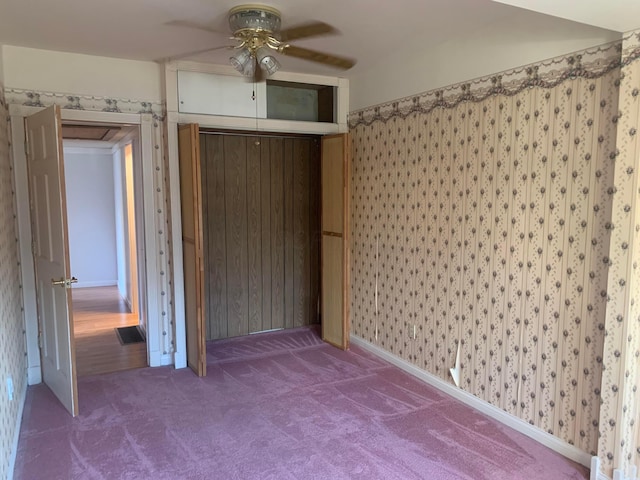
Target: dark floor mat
x,y
128,335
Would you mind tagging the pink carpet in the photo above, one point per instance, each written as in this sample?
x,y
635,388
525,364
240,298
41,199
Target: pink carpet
x,y
279,406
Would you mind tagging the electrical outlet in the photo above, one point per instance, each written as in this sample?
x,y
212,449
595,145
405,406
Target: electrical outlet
x,y
10,388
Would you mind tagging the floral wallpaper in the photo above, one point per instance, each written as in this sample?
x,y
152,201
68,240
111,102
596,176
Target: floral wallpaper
x,y
160,181
619,444
12,342
482,219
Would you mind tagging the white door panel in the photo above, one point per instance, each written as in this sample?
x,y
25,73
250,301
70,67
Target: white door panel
x,y
51,254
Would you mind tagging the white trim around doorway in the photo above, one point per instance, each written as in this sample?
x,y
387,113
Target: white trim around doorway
x,y
155,356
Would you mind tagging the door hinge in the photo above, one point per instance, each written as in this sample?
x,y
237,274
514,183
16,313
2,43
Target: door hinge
x,y
26,147
40,341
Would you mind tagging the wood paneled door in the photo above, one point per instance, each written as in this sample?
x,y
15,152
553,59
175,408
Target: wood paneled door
x,y
261,231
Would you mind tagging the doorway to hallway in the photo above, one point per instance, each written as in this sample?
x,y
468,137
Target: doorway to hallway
x,y
97,312
103,190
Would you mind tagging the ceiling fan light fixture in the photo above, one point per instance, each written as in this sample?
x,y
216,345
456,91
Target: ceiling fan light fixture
x,y
250,68
241,60
270,64
267,61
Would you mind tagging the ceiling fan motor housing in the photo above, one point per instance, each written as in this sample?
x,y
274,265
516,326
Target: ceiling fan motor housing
x,y
254,17
257,29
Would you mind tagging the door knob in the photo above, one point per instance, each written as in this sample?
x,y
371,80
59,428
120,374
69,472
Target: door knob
x,y
64,282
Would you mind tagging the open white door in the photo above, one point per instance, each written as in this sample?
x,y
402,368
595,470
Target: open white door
x,y
51,254
335,239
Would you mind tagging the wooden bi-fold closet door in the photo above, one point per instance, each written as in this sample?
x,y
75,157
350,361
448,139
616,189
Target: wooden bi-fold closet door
x,y
192,246
261,232
335,174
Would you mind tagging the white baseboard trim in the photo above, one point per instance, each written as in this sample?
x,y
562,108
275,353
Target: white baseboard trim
x,y
548,440
158,359
34,375
619,474
180,359
99,283
166,359
596,474
16,435
154,358
127,302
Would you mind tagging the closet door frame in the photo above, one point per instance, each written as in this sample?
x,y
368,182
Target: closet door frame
x,y
238,124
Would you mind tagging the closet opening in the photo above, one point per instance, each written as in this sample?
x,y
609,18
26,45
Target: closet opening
x,y
261,231
265,235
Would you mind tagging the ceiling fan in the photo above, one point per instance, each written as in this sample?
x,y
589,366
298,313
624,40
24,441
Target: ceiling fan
x,y
257,30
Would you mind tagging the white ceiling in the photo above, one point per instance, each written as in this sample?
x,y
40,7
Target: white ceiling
x,y
616,15
370,30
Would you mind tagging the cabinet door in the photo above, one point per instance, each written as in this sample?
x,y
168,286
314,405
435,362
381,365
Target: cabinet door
x,y
335,239
192,251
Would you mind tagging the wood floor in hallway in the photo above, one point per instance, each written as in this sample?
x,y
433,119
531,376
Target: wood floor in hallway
x,y
97,311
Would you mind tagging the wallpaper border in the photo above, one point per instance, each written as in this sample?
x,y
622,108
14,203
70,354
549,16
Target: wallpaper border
x,y
590,64
33,98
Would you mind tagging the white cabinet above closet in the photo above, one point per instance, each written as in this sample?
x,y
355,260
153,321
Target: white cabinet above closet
x,y
215,96
211,94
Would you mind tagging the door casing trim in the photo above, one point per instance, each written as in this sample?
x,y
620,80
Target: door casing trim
x,y
155,355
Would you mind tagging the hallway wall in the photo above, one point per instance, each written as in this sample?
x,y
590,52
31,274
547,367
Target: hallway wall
x,y
91,215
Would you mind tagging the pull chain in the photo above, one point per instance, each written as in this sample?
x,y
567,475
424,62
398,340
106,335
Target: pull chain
x,y
253,97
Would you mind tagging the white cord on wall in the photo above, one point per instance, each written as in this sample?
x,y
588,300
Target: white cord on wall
x,y
375,294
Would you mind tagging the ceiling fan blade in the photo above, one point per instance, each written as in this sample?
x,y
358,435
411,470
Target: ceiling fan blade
x,y
189,24
194,53
319,57
307,30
